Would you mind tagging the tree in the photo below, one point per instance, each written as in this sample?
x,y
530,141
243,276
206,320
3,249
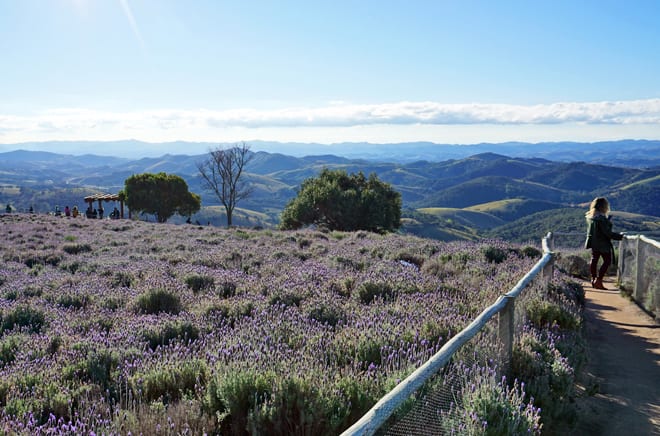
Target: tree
x,y
221,174
160,194
344,202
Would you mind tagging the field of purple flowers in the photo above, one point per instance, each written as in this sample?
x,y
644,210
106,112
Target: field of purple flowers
x,y
113,326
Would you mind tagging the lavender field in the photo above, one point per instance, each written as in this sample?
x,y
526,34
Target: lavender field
x,y
118,327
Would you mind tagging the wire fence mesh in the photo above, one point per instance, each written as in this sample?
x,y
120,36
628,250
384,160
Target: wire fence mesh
x,y
436,408
639,271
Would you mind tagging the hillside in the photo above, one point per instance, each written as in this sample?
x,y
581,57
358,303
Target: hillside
x,y
505,188
100,317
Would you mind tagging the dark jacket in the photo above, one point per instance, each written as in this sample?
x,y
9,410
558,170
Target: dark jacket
x,y
600,234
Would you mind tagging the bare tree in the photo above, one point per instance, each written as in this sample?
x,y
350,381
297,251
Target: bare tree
x,y
221,174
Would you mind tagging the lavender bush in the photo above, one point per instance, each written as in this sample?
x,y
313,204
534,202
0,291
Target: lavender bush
x,y
110,327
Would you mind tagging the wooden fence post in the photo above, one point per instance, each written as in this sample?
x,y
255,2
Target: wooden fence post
x,y
549,268
639,272
506,330
623,243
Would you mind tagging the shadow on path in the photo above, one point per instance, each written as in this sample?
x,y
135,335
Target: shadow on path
x,y
623,367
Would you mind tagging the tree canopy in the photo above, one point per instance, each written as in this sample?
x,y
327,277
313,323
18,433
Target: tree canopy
x,y
344,202
160,194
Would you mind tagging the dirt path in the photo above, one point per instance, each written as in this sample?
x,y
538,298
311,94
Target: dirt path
x,y
623,367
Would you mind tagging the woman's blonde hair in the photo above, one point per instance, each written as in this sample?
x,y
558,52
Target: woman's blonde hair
x,y
598,205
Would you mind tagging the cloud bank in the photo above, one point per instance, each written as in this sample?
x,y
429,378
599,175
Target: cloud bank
x,y
80,121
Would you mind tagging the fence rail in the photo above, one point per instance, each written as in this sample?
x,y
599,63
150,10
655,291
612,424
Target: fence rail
x,y
376,417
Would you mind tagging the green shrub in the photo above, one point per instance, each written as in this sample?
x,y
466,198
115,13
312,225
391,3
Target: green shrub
x,y
170,332
76,248
405,256
32,291
288,299
367,292
549,377
23,317
486,406
44,399
71,267
54,345
229,313
434,332
157,301
350,263
8,348
531,252
227,289
99,366
122,279
267,403
543,314
326,314
36,260
494,254
574,265
233,396
72,301
570,291
198,283
170,382
112,303
11,295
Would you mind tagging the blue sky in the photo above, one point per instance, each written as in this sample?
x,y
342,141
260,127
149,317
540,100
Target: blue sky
x,y
329,71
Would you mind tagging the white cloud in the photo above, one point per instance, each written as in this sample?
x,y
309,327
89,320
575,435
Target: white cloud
x,y
172,124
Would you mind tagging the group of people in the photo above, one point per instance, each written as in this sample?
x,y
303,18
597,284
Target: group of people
x,y
94,213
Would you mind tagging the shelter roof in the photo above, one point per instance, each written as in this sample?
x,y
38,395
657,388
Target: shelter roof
x,y
103,197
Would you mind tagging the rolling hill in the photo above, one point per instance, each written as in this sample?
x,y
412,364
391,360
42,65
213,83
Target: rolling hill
x,y
465,198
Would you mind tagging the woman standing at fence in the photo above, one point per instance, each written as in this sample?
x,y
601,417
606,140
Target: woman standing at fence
x,y
599,239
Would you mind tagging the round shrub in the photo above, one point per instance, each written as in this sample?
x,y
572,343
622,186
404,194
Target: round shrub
x,y
23,317
171,332
71,301
157,301
288,299
76,248
227,289
407,257
544,314
491,407
198,283
369,291
326,314
531,252
170,382
494,254
122,279
574,265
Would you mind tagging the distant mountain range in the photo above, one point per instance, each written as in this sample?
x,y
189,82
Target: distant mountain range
x,y
633,153
467,197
